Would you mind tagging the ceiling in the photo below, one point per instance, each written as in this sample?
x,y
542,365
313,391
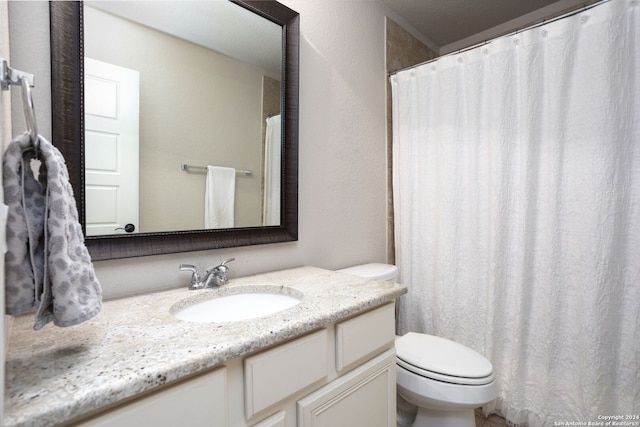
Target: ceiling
x,y
443,25
444,22
219,25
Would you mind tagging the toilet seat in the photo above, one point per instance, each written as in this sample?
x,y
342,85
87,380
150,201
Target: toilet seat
x,y
443,360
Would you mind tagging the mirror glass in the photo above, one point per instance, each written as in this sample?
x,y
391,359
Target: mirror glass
x,y
182,116
206,100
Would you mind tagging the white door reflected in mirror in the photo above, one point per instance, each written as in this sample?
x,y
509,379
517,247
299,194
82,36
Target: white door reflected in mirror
x,y
111,146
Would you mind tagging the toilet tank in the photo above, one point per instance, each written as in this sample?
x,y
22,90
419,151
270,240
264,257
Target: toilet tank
x,y
375,271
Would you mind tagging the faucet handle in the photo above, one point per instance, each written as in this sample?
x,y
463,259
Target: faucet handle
x,y
223,268
195,276
227,261
189,267
220,272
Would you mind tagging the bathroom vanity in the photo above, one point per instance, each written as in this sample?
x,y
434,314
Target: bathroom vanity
x,y
328,361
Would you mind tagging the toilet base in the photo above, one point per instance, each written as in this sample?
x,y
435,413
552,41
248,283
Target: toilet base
x,y
430,418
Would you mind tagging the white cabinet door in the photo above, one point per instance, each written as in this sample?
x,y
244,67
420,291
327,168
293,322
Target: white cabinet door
x,y
273,375
276,420
365,397
199,402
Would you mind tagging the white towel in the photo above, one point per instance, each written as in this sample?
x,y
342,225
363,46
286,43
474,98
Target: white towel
x,y
220,195
47,264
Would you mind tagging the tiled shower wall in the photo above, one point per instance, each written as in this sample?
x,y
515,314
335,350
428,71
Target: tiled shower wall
x,y
402,51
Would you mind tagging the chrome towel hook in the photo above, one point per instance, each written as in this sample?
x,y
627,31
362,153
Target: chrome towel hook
x,y
30,115
9,76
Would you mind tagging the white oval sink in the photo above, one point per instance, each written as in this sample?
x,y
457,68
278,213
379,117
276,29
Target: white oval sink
x,y
232,308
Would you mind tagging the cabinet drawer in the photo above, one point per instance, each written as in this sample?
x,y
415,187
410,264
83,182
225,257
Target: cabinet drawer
x,y
364,336
276,374
201,401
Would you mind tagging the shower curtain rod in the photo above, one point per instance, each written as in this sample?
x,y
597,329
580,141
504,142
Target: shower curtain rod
x,y
544,21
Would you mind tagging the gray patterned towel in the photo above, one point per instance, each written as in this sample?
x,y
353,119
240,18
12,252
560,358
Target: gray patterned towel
x,y
47,264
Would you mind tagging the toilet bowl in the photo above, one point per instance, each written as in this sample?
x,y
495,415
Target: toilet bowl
x,y
444,379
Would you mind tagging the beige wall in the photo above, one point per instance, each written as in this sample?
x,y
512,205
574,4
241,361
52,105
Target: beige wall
x,y
196,106
342,215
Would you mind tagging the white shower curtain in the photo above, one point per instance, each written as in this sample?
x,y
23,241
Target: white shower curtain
x,y
272,156
516,170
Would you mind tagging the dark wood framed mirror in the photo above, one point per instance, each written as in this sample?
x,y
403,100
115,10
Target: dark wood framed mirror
x,y
68,134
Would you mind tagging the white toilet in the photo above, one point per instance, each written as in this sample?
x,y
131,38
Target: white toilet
x,y
444,379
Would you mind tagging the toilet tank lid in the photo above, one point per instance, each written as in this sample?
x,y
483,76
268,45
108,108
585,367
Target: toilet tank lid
x,y
375,270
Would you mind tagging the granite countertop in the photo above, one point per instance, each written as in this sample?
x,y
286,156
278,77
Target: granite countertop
x,y
135,344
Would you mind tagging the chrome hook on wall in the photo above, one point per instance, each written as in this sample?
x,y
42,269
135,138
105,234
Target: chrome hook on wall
x,y
30,115
10,76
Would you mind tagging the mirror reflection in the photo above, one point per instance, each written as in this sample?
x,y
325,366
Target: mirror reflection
x,y
182,117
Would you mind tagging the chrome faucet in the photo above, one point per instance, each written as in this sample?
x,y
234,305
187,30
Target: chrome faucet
x,y
214,277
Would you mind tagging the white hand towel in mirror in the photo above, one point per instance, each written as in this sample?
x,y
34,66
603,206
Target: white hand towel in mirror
x,y
220,197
